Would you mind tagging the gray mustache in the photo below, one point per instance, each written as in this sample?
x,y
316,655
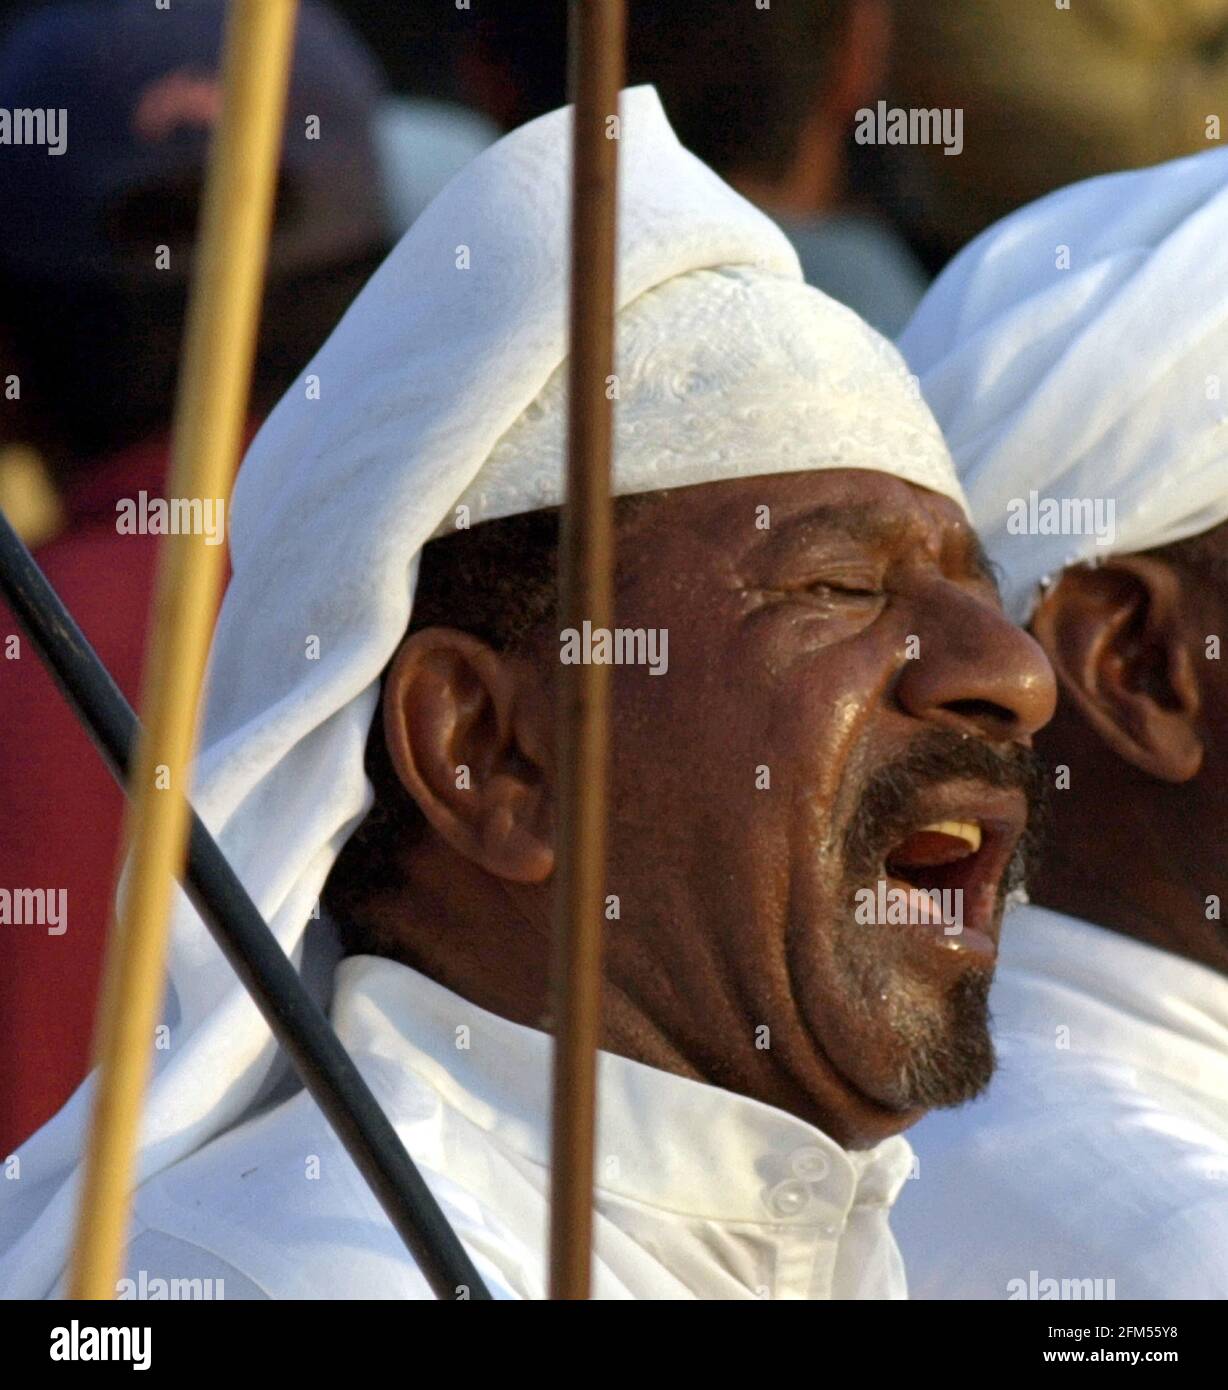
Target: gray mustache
x,y
888,804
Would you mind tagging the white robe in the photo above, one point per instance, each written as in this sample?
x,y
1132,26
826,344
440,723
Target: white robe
x,y
1101,1150
701,1193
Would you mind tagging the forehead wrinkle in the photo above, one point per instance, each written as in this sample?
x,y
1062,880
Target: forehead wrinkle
x,y
859,521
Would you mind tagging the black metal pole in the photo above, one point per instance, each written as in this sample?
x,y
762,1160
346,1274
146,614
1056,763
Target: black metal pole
x,y
297,1021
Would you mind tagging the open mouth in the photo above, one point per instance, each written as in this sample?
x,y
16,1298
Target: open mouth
x,y
940,855
951,871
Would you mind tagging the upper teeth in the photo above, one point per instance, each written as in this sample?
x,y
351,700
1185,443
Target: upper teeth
x,y
966,830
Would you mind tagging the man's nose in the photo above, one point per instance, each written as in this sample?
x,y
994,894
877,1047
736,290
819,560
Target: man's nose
x,y
976,672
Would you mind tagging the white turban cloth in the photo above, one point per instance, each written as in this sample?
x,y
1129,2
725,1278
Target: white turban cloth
x,y
1079,350
442,386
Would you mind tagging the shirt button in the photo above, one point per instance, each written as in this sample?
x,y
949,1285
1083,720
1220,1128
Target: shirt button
x,y
810,1165
788,1198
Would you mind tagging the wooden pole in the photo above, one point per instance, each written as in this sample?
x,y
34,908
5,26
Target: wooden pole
x,y
210,416
585,593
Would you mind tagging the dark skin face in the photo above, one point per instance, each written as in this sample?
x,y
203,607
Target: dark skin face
x,y
1142,725
736,958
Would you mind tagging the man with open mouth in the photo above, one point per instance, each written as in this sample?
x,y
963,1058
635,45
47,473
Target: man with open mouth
x,y
845,705
1075,356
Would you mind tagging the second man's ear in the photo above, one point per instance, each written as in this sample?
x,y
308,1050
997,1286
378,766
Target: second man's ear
x,y
1123,658
467,730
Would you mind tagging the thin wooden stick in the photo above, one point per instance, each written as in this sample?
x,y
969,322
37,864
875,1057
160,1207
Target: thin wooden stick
x,y
210,415
585,588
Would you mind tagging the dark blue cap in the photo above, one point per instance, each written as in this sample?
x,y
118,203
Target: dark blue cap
x,y
123,96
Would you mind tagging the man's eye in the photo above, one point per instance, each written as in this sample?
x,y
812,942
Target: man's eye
x,y
823,587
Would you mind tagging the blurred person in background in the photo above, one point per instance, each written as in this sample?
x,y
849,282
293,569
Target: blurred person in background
x,y
1050,94
1084,407
426,127
95,257
766,97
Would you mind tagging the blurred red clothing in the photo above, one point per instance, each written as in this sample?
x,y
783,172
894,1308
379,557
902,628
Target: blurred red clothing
x,y
60,808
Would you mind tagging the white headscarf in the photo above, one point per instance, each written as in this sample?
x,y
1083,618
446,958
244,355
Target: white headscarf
x,y
1106,380
451,359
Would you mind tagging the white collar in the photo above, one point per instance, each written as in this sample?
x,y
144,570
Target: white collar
x,y
664,1141
1136,1003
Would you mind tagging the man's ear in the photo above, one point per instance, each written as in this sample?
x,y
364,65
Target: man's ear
x,y
1121,652
468,733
